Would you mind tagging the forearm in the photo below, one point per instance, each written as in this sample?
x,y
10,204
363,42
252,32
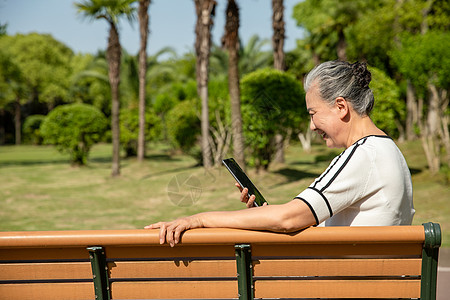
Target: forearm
x,y
288,217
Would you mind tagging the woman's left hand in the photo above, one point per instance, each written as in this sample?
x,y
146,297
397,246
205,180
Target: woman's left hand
x,y
170,232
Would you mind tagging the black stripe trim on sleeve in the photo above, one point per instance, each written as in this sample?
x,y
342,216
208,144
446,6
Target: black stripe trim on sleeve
x,y
357,143
327,171
311,208
324,199
343,165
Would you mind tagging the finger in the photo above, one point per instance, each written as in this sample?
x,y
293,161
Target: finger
x,y
251,201
153,226
265,204
162,233
170,236
177,234
238,186
244,195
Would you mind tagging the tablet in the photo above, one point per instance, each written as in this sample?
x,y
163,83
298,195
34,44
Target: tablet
x,y
243,180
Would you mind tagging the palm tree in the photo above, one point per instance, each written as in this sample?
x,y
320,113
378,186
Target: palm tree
x,y
278,61
111,11
230,41
205,10
278,34
143,30
252,57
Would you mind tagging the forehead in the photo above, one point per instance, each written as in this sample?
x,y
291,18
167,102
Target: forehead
x,y
313,98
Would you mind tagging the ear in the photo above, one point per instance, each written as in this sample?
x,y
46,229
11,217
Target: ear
x,y
342,107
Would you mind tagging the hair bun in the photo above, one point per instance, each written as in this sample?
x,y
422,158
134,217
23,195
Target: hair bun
x,y
361,74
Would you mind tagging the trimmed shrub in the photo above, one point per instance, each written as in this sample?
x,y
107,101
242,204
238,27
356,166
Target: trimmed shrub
x,y
129,129
272,103
31,129
183,126
74,129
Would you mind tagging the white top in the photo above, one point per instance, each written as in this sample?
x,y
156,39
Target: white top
x,y
367,184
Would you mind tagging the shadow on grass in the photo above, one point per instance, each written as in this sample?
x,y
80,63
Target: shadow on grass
x,y
302,163
294,175
155,157
165,172
160,157
415,171
10,163
104,159
327,157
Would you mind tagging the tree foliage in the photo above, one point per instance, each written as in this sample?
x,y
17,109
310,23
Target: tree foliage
x,y
32,129
389,111
424,58
272,102
129,129
44,64
74,129
184,129
12,83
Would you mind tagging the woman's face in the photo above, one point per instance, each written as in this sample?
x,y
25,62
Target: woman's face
x,y
325,119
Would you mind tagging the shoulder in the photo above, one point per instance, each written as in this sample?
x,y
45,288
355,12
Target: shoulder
x,y
376,145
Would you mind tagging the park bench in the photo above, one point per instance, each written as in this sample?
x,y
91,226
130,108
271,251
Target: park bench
x,y
318,262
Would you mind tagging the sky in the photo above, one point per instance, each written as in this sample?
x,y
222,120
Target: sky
x,y
171,24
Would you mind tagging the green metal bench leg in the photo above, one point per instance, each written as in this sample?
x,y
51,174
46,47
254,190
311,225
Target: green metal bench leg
x,y
244,271
100,273
430,254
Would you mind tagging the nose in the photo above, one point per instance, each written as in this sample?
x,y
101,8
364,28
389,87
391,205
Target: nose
x,y
312,126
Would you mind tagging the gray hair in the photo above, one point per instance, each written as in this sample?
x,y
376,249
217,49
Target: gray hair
x,y
342,79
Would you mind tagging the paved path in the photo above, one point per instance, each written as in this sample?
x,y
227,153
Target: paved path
x,y
443,284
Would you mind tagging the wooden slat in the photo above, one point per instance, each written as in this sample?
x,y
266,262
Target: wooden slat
x,y
48,291
194,251
338,250
175,290
337,289
338,267
41,271
173,269
43,254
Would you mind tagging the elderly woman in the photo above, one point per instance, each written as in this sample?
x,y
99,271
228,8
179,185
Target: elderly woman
x,y
369,183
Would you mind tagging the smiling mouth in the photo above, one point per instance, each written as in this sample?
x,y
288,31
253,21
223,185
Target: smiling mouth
x,y
323,134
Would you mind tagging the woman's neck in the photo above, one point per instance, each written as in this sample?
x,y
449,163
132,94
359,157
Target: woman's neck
x,y
360,127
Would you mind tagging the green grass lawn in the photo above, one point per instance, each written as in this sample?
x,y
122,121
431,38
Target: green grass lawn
x,y
41,191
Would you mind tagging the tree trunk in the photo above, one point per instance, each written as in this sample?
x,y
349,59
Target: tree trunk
x,y
220,140
429,131
425,11
231,42
342,46
17,121
411,112
305,139
433,120
444,130
278,34
2,127
278,63
205,10
113,54
279,149
143,30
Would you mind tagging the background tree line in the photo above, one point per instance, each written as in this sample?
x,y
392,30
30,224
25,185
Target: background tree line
x,y
241,97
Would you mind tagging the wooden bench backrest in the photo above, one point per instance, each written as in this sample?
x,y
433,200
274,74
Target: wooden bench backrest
x,y
339,262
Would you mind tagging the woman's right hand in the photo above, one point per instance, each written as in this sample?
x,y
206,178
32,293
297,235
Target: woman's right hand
x,y
245,198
